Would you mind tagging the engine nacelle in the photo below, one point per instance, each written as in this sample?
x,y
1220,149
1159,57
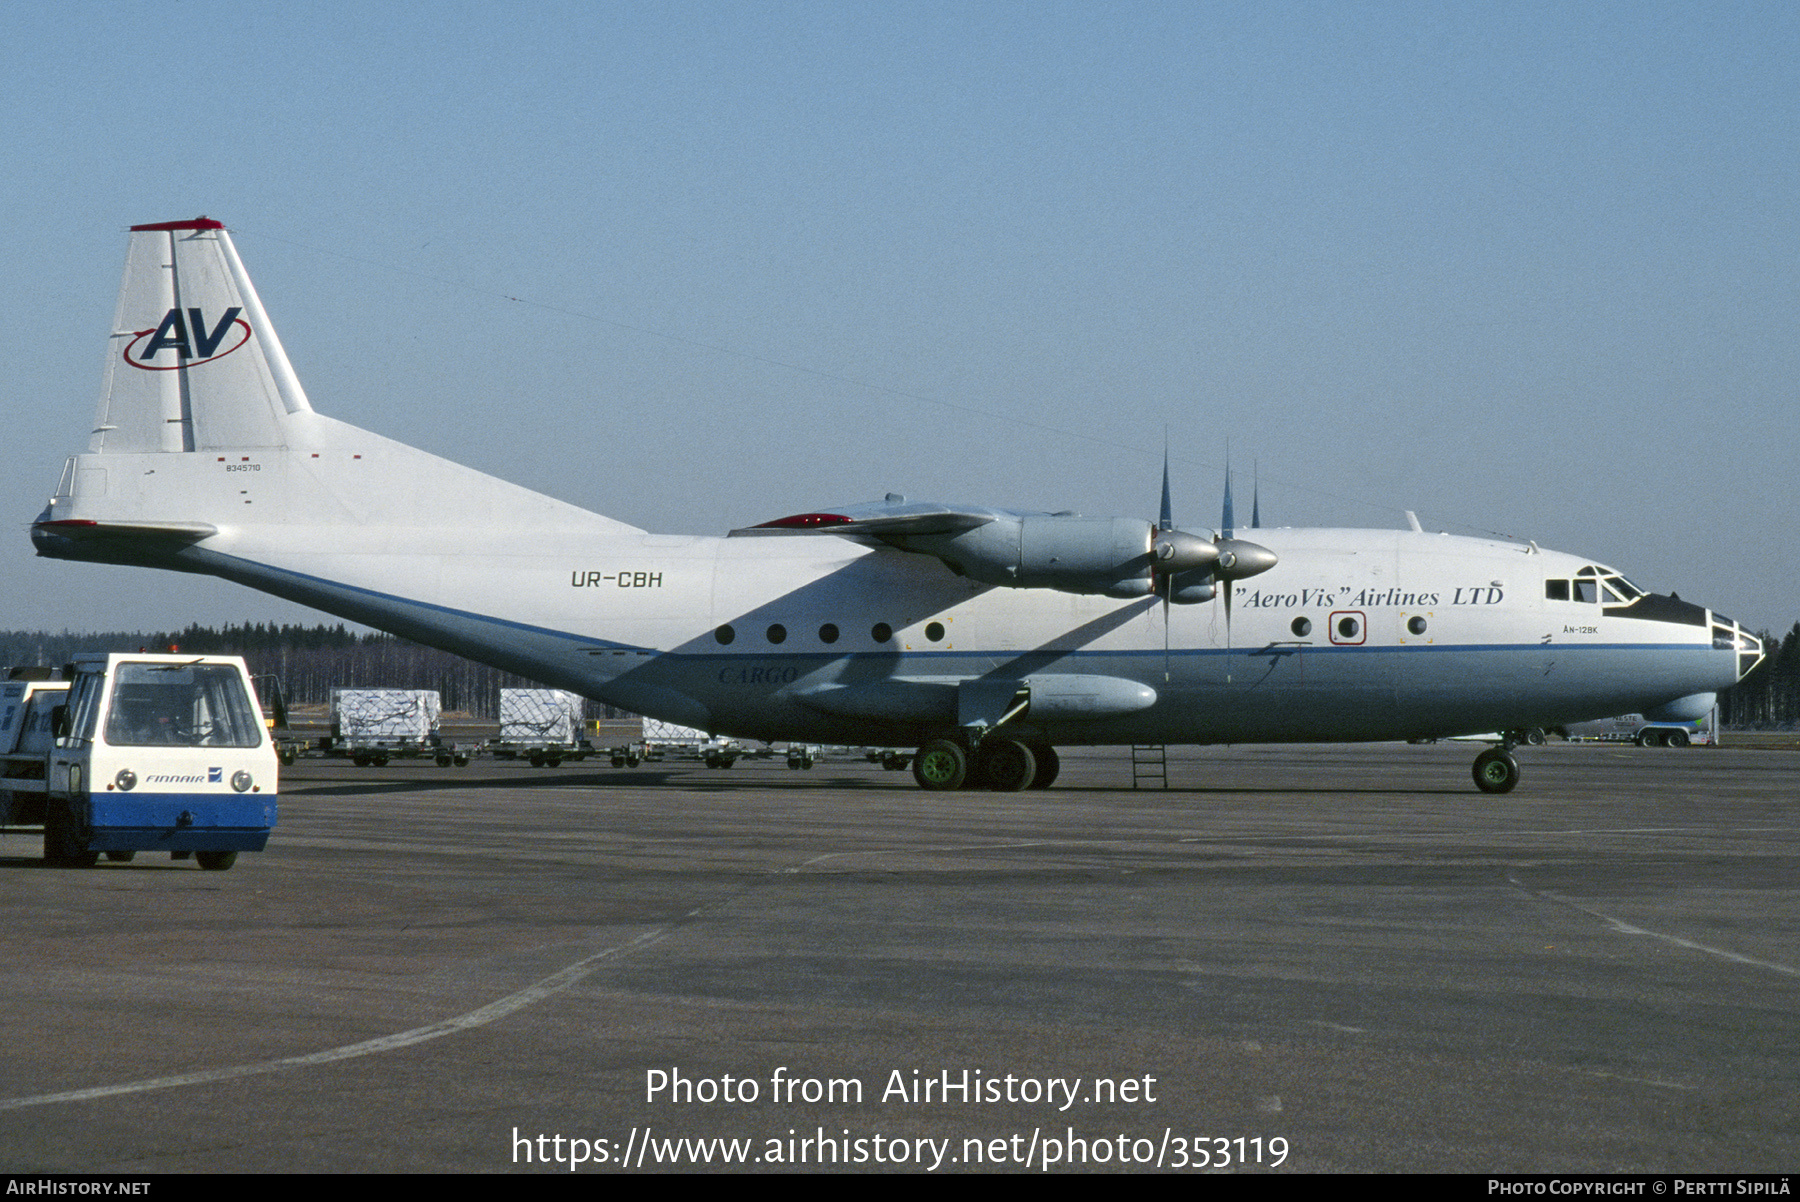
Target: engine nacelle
x,y
1108,556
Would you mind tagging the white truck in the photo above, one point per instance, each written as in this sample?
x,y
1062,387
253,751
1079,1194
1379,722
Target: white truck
x,y
139,752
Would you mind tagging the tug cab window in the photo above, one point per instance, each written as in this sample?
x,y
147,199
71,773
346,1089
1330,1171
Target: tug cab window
x,y
181,705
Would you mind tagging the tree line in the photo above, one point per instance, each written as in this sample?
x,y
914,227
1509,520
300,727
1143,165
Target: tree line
x,y
1769,697
308,661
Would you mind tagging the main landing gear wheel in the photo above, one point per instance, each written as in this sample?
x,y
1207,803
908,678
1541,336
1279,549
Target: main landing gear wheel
x,y
1496,771
1048,765
940,765
1005,765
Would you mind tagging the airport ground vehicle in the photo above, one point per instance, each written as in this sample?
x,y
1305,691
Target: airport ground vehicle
x,y
542,726
137,752
373,726
290,744
1645,732
627,755
28,701
665,739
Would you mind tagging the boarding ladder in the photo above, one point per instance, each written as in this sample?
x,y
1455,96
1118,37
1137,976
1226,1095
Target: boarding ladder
x,y
1149,766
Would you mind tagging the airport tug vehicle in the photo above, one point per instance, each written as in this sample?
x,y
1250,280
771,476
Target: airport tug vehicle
x,y
140,752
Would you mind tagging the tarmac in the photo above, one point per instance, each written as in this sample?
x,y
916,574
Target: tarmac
x,y
1318,959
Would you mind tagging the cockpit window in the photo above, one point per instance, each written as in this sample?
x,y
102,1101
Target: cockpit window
x,y
1592,584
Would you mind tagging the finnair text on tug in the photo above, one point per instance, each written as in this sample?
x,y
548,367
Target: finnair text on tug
x,y
984,637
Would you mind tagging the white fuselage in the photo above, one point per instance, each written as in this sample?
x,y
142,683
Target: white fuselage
x,y
1354,634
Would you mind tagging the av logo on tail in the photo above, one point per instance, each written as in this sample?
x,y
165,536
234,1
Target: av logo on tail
x,y
173,334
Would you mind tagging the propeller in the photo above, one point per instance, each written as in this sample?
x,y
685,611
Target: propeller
x,y
1186,567
1173,553
1238,559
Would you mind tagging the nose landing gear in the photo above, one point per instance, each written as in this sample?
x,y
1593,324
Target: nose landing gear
x,y
1496,771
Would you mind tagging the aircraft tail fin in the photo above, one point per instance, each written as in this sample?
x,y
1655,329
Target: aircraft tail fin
x,y
203,432
187,304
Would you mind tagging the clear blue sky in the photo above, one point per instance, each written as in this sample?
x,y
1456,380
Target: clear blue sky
x,y
1522,268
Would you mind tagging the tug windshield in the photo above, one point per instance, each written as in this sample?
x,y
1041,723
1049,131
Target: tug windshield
x,y
181,705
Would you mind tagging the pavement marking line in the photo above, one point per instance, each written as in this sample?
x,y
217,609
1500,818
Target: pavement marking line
x,y
536,992
803,865
1626,928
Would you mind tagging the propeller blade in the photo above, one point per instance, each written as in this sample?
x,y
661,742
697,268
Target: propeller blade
x,y
1167,521
1165,580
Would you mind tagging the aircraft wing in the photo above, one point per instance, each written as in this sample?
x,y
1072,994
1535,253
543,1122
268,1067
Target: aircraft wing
x,y
880,520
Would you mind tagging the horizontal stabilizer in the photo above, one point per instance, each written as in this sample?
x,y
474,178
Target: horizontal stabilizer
x,y
84,528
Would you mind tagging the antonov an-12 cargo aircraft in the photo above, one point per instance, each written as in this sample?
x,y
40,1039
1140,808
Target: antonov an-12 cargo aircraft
x,y
984,638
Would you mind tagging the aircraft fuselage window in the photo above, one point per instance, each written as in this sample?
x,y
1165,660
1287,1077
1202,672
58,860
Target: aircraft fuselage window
x,y
725,634
828,633
1347,628
778,633
1556,590
1416,625
1587,590
934,631
881,632
1301,627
